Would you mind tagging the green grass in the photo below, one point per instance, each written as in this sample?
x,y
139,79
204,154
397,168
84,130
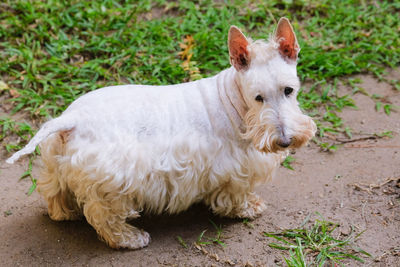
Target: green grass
x,y
181,241
287,163
216,239
54,51
21,130
247,223
315,245
28,173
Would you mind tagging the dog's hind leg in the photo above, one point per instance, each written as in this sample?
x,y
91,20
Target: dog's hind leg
x,y
52,184
62,206
109,220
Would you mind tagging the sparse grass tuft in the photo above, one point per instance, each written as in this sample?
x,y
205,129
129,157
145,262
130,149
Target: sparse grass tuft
x,y
22,130
181,241
388,134
287,162
317,245
211,240
28,173
247,223
9,129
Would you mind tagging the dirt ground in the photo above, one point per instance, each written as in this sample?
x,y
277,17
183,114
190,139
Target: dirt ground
x,y
321,182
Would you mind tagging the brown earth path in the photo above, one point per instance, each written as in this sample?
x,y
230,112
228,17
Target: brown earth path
x,y
321,182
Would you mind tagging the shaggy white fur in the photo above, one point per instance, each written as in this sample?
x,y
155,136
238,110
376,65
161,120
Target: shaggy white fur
x,y
121,150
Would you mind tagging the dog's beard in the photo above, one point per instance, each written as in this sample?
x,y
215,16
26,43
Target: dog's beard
x,y
261,129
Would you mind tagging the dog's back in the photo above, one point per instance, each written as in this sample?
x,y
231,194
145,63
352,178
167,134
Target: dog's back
x,y
148,112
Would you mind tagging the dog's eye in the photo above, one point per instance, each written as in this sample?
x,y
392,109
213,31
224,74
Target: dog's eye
x,y
259,98
288,91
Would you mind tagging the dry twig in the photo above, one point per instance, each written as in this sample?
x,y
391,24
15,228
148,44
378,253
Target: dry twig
x,y
368,187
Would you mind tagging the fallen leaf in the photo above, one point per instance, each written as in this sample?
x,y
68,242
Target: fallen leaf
x,y
14,93
3,86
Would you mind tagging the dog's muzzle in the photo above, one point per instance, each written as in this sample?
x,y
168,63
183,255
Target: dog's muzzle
x,y
284,142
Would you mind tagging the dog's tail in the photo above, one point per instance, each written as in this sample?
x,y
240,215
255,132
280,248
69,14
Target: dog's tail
x,y
62,123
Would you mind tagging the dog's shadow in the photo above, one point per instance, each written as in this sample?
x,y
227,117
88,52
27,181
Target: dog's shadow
x,y
42,241
163,229
188,225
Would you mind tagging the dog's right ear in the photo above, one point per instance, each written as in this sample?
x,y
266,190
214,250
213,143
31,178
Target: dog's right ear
x,y
285,36
238,53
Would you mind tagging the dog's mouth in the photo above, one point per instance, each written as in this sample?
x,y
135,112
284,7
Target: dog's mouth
x,y
273,143
277,146
285,143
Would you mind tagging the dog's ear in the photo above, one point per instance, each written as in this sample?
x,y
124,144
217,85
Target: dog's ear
x,y
238,53
285,36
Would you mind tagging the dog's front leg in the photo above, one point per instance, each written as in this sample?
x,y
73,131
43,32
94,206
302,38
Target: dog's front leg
x,y
253,207
233,200
110,224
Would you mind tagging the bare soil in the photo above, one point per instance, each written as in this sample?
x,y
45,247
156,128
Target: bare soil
x,y
333,184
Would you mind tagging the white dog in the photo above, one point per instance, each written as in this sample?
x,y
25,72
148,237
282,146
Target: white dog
x,y
121,150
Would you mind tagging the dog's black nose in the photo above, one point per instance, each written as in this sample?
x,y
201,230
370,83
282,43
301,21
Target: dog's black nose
x,y
284,142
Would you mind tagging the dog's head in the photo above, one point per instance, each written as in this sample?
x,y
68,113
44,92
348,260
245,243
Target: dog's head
x,y
267,77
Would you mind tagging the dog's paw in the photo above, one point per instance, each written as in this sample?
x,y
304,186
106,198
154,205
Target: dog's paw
x,y
64,216
255,206
135,239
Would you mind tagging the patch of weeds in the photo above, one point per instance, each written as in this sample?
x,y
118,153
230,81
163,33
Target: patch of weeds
x,y
296,256
7,213
314,245
338,177
28,173
9,127
247,223
380,102
181,241
287,162
395,84
388,134
353,83
24,132
324,104
326,146
204,240
347,132
387,108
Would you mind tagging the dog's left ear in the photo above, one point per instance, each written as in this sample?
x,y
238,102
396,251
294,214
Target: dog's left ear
x,y
285,36
238,53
